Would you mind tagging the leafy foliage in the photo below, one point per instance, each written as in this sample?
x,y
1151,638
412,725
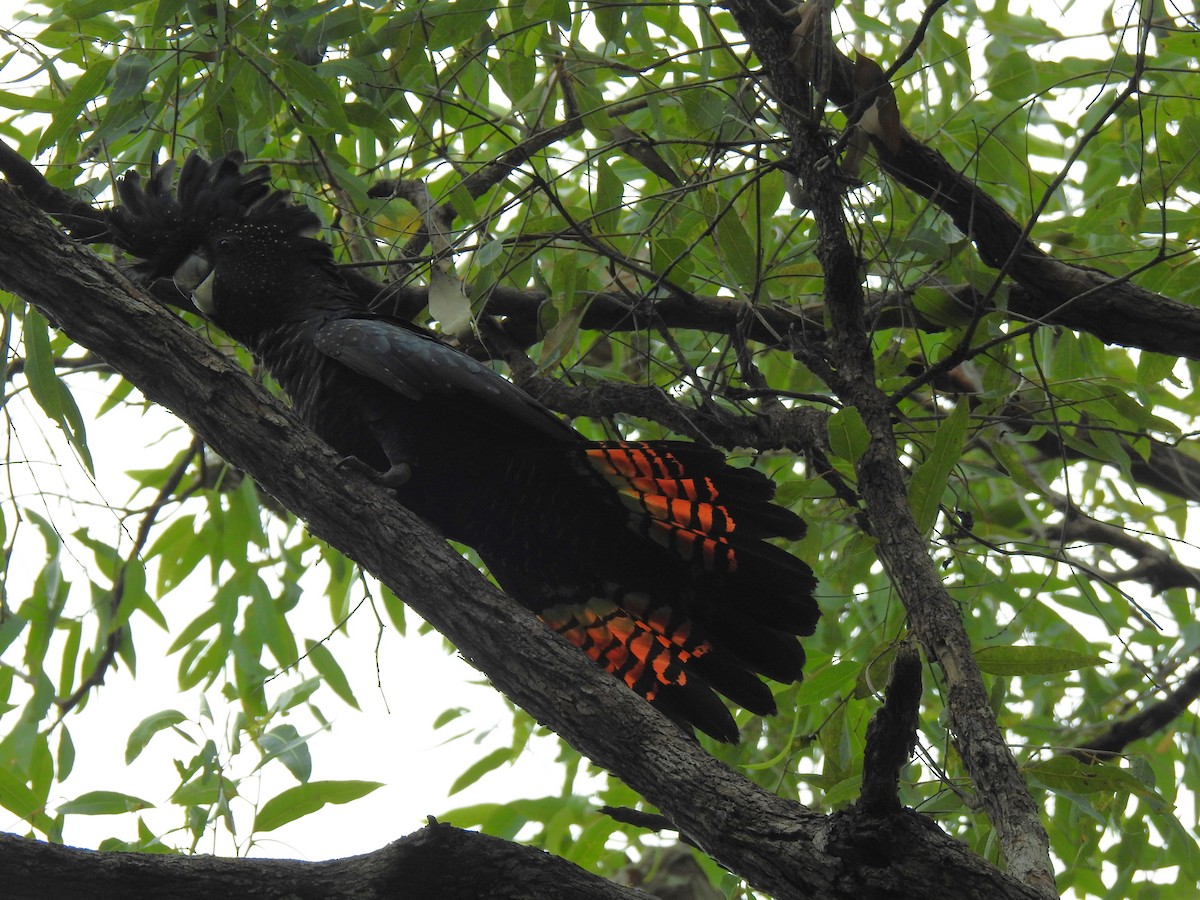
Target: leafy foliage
x,y
611,168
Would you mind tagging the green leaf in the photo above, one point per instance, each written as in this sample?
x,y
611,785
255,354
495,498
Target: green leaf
x,y
737,250
940,306
488,253
478,769
204,790
287,745
1033,660
66,755
15,795
66,120
607,199
873,676
929,481
86,9
669,256
560,339
848,436
70,656
470,816
463,202
48,389
9,100
1155,367
331,672
1065,773
300,801
834,739
147,728
103,803
456,22
826,682
446,716
269,624
296,695
178,552
129,76
323,102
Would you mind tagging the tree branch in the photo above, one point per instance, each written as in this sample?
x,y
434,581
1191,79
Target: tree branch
x,y
1113,309
933,615
1155,567
437,861
892,735
483,179
1155,717
82,220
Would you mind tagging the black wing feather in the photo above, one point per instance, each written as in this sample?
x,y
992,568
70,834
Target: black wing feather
x,y
417,366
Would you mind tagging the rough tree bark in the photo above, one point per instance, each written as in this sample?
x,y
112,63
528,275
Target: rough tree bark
x,y
437,861
933,615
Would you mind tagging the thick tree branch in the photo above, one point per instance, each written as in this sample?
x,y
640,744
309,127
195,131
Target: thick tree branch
x,y
892,735
933,615
1057,293
1167,468
437,861
1155,567
82,220
774,843
1152,719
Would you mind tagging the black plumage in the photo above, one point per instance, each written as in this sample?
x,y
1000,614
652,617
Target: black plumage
x,y
649,556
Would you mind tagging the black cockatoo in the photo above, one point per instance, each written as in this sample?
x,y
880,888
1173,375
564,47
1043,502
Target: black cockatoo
x,y
648,556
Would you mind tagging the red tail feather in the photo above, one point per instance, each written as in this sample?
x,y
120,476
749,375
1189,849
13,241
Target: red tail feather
x,y
644,648
674,508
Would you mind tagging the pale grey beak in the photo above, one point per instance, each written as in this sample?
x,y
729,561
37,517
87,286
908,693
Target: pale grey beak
x,y
202,296
195,277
